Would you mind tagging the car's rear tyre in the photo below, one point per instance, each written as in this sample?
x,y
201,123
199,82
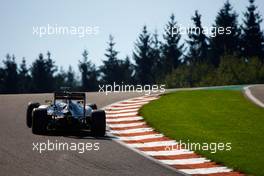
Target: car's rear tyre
x,y
39,121
30,107
98,123
93,106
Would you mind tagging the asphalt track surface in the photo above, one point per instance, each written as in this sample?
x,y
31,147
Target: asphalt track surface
x,y
18,158
258,92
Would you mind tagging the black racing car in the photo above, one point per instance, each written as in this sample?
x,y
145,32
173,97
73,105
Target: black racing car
x,y
68,111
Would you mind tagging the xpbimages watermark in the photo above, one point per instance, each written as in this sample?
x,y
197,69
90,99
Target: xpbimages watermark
x,y
51,146
147,89
212,147
188,29
79,31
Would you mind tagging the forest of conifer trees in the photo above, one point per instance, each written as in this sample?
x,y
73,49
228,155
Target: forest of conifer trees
x,y
235,57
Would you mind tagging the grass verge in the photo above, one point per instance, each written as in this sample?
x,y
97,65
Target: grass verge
x,y
213,116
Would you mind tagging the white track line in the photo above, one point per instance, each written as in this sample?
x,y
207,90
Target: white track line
x,y
137,130
129,104
142,137
122,114
140,101
126,125
153,144
252,97
210,170
185,161
124,119
123,107
168,153
147,97
122,111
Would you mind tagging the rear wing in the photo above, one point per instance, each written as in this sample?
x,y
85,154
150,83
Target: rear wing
x,y
69,96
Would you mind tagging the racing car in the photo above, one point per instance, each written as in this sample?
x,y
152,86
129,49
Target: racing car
x,y
68,111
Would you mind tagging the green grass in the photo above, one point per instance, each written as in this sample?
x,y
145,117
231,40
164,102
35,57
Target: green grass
x,y
213,116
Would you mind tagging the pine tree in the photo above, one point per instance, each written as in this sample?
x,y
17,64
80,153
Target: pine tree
x,y
110,68
70,78
24,77
158,64
60,79
126,71
10,77
50,69
198,42
38,74
2,77
114,69
172,49
252,37
42,72
227,33
89,74
143,58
